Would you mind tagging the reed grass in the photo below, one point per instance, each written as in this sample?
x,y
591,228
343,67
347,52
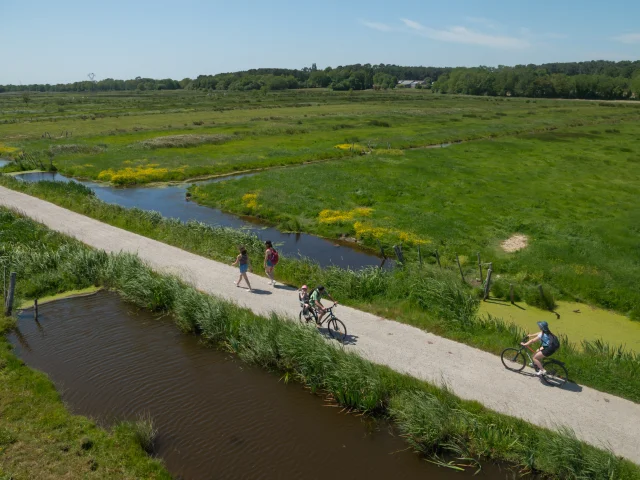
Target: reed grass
x,y
434,420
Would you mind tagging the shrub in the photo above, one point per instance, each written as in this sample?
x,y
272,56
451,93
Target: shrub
x,y
546,301
501,289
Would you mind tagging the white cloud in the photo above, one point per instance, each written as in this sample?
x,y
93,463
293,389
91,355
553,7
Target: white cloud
x,y
466,36
376,26
412,24
628,38
482,21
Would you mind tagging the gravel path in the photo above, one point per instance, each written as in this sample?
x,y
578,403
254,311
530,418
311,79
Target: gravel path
x,y
598,418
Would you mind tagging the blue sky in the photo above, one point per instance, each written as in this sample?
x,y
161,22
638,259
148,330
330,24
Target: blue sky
x,y
62,41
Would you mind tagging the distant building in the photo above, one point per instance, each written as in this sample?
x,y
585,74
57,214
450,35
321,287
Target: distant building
x,y
410,83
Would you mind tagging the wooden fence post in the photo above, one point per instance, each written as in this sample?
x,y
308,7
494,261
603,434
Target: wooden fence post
x,y
541,295
511,293
480,267
399,254
8,306
438,259
35,309
419,255
460,267
382,250
487,286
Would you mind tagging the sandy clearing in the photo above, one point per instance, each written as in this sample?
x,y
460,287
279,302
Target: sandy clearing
x,y
514,243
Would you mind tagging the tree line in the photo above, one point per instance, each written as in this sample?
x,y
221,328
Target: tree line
x,y
589,80
585,80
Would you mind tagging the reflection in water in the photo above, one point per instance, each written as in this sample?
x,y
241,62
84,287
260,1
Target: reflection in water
x,y
216,417
170,202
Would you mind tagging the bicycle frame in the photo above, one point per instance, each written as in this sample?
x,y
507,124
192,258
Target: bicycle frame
x,y
328,313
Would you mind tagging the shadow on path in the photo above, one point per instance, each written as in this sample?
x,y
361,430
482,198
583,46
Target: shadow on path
x,y
569,386
258,291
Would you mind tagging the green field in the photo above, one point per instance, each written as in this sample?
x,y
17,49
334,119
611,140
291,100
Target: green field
x,y
129,138
572,192
563,173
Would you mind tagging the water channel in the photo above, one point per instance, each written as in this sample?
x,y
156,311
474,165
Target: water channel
x,y
170,202
216,416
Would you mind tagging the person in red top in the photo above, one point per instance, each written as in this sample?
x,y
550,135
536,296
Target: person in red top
x,y
268,263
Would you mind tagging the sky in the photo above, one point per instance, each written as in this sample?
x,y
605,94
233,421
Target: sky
x,y
63,41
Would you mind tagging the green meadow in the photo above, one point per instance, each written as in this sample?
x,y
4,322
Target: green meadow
x,y
572,192
368,167
141,138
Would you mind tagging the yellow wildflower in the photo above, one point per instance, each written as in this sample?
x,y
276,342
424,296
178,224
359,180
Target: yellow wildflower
x,y
337,216
141,174
365,231
349,146
7,150
250,200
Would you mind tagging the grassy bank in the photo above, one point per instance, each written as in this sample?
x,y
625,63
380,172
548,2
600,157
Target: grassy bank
x,y
129,138
421,296
572,192
39,438
435,421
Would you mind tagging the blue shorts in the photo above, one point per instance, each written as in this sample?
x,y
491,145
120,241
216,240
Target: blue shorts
x,y
244,268
269,264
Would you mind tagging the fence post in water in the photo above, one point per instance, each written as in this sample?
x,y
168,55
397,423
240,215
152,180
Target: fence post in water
x,y
399,254
480,267
8,306
438,259
419,255
382,250
487,286
541,294
35,309
460,267
511,293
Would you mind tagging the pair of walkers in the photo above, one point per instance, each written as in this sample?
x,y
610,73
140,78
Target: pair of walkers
x,y
271,259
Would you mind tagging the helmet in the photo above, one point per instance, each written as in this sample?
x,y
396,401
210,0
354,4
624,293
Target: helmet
x,y
321,287
303,287
544,326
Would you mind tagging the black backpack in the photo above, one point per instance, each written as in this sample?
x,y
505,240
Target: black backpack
x,y
555,342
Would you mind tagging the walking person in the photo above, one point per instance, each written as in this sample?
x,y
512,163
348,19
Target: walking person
x,y
271,258
245,264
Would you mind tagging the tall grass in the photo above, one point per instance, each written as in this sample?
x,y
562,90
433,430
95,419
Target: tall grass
x,y
434,421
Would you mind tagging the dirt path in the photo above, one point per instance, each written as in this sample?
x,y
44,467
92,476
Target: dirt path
x,y
598,418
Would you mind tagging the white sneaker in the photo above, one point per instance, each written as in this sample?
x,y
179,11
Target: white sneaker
x,y
540,373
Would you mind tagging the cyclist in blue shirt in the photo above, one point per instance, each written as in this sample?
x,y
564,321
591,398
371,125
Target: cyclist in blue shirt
x,y
549,346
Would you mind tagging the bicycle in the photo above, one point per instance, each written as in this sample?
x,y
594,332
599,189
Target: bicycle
x,y
515,359
336,327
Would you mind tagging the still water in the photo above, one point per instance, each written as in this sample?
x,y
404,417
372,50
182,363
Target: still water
x,y
170,202
216,417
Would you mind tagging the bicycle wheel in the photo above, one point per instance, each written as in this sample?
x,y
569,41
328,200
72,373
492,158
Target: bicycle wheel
x,y
556,374
337,329
305,317
513,359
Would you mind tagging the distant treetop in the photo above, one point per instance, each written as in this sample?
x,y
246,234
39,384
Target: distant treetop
x,y
598,79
